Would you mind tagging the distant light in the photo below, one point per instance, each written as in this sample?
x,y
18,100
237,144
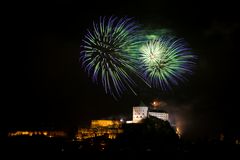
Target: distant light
x,y
156,103
129,122
178,132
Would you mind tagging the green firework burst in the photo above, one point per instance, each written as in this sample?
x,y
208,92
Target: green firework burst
x,y
166,61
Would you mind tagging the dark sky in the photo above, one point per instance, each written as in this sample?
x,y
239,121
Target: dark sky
x,y
45,85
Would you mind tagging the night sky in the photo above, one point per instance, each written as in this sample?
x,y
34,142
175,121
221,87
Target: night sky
x,y
44,84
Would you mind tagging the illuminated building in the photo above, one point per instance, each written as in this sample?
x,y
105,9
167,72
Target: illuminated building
x,y
38,133
108,128
159,114
85,133
139,113
142,112
106,123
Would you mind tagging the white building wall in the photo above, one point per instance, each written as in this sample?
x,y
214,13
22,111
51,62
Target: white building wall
x,y
139,113
163,116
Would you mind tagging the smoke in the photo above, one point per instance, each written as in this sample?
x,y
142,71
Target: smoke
x,y
179,114
191,122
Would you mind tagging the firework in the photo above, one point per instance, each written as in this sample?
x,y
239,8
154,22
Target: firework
x,y
165,61
108,53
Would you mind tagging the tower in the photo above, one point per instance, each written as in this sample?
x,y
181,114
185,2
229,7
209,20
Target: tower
x,y
139,113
